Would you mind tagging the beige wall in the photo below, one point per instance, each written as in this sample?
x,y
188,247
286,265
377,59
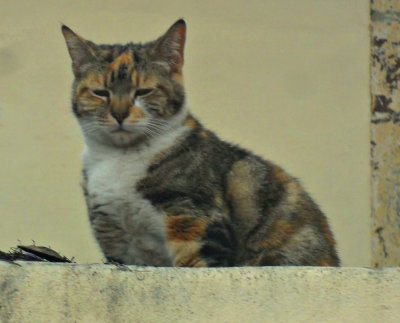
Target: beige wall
x,y
288,79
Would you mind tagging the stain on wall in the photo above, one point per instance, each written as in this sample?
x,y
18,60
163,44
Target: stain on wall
x,y
385,132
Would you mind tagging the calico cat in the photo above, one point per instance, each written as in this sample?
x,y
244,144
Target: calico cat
x,y
162,190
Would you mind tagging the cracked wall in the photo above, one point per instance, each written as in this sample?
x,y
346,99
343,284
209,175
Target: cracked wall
x,y
385,132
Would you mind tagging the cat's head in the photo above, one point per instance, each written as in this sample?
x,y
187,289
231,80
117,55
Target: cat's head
x,y
123,94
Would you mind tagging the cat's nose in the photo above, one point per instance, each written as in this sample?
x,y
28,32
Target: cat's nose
x,y
120,116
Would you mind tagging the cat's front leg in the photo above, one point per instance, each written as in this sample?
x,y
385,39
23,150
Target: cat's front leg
x,y
200,241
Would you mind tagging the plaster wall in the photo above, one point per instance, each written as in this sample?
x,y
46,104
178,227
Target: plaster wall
x,y
287,79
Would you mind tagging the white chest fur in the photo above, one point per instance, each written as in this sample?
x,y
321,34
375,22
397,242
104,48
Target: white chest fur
x,y
128,227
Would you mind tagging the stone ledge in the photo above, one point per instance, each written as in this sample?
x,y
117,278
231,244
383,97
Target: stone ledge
x,y
45,292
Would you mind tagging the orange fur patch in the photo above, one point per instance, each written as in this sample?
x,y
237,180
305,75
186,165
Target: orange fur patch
x,y
125,58
184,235
87,98
135,76
190,122
83,92
204,134
280,174
186,254
327,232
185,228
136,112
110,118
92,81
142,80
178,77
147,81
280,232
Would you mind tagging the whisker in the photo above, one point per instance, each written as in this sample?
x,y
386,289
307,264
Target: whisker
x,y
159,125
90,128
154,131
147,135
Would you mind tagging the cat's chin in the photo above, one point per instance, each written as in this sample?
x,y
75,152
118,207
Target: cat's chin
x,y
123,138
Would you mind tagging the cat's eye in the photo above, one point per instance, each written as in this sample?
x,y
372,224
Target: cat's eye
x,y
102,93
143,92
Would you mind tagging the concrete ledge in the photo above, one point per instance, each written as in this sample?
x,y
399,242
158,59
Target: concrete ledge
x,y
44,292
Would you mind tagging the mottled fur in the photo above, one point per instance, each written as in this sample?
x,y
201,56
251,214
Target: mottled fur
x,y
161,189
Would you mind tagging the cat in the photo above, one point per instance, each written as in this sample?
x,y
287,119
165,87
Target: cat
x,y
161,189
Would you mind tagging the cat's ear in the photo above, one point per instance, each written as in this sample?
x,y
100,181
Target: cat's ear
x,y
169,47
82,51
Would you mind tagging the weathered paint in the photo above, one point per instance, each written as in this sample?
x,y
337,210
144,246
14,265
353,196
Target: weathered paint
x,y
385,132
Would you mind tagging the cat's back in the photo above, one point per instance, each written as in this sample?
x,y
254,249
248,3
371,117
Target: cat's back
x,y
274,220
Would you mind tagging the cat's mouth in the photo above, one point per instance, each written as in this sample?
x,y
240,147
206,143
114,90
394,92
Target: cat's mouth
x,y
120,130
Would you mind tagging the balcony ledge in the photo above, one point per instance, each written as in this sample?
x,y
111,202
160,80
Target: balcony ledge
x,y
48,292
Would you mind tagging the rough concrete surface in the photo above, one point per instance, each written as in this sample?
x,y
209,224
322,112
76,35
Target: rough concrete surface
x,y
37,292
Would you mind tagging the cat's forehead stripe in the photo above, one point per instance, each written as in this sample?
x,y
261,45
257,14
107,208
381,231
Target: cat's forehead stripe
x,y
123,59
124,68
121,67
